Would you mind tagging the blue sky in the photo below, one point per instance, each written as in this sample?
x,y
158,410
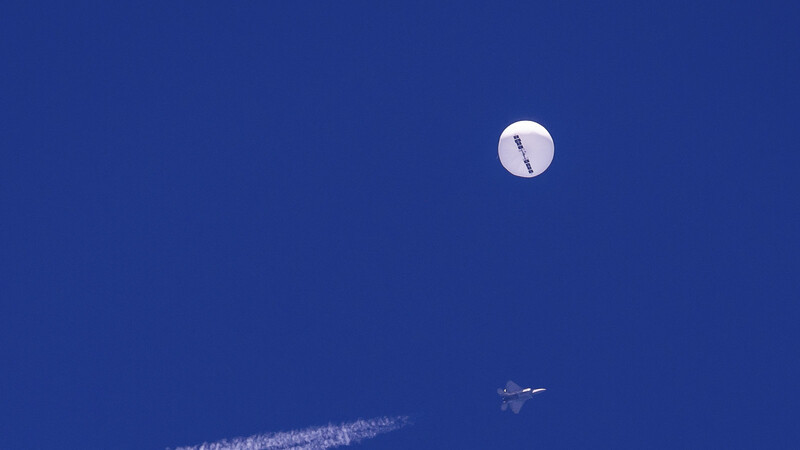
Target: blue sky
x,y
226,219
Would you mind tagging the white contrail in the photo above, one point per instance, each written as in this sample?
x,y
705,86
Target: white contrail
x,y
327,436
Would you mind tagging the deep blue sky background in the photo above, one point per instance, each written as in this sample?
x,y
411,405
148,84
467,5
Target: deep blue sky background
x,y
219,220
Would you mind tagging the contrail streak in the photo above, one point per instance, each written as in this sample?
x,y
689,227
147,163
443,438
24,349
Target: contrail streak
x,y
322,437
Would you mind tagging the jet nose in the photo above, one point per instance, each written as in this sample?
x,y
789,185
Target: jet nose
x,y
536,391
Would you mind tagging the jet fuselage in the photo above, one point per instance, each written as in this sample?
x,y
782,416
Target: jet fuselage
x,y
524,394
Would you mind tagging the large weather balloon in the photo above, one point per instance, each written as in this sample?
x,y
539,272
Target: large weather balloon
x,y
525,149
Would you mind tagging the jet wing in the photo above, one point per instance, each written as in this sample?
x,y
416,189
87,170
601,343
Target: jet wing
x,y
516,405
512,387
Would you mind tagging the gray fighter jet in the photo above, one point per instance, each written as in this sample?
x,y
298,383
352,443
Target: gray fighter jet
x,y
514,396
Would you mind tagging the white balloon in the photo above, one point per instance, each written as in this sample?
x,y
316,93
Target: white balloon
x,y
525,149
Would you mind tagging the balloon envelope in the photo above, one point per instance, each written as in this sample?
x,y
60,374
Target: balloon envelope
x,y
525,149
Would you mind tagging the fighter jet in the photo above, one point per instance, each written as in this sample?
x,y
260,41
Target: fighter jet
x,y
515,396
